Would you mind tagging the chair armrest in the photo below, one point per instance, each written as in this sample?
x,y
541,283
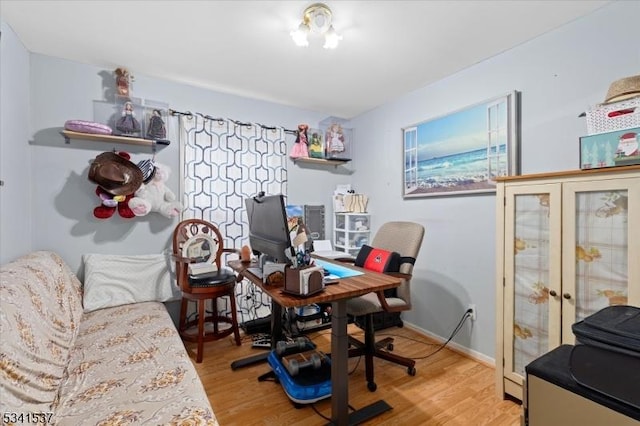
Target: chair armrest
x,y
231,250
383,300
387,308
406,277
239,277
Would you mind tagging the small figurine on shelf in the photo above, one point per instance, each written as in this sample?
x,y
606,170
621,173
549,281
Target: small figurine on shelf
x,y
335,139
156,128
127,124
315,147
299,149
123,80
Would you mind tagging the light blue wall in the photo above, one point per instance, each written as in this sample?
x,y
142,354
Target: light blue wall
x,y
15,165
559,74
64,200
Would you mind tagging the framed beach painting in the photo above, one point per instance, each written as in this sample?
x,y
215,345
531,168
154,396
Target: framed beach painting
x,y
463,152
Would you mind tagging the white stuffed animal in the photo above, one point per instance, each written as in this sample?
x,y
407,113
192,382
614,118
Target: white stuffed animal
x,y
155,196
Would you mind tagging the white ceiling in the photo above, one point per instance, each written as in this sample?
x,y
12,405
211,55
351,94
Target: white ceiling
x,y
243,47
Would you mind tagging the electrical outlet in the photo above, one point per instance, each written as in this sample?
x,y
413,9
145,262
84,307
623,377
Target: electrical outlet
x,y
472,308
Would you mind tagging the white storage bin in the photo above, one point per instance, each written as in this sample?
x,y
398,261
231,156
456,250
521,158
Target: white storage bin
x,y
622,115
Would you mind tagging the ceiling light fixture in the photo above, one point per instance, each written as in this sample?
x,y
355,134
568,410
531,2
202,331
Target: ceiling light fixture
x,y
317,19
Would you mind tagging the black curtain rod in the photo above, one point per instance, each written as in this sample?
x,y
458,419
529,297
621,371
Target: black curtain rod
x,y
236,122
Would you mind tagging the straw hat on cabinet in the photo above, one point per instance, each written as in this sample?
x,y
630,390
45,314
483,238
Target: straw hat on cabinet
x,y
622,89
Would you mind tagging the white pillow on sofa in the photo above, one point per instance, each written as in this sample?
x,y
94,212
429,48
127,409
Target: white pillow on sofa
x,y
113,280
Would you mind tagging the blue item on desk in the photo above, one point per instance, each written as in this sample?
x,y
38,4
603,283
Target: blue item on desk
x,y
337,270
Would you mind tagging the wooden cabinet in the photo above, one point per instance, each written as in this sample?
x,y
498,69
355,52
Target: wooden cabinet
x,y
351,231
567,245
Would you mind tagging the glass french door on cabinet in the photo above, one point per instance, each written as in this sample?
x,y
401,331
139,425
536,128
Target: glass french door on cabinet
x,y
600,220
532,274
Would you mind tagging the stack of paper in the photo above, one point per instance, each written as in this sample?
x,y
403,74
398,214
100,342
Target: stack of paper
x,y
324,248
202,268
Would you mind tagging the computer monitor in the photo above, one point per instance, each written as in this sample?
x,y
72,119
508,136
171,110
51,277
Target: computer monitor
x,y
268,227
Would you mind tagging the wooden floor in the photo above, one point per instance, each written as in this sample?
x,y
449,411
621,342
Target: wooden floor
x,y
448,389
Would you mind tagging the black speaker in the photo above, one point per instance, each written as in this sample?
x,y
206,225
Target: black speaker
x,y
314,220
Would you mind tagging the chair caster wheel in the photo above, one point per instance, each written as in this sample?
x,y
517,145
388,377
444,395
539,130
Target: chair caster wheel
x,y
411,371
390,347
372,386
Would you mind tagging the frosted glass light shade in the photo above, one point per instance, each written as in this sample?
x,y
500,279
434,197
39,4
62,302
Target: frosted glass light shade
x,y
299,36
331,39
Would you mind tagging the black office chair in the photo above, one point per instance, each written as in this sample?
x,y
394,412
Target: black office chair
x,y
404,238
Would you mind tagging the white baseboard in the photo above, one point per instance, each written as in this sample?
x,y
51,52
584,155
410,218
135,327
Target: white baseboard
x,y
475,355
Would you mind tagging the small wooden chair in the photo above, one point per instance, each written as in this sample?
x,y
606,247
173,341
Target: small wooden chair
x,y
196,241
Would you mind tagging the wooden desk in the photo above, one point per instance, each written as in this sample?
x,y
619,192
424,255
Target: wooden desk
x,y
337,294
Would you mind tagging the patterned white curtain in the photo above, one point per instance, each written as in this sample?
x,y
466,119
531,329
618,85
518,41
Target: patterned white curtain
x,y
223,162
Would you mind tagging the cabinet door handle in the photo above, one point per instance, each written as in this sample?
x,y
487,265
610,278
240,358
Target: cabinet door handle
x,y
553,293
566,296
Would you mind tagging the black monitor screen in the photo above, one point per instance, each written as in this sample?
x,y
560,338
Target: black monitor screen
x,y
268,227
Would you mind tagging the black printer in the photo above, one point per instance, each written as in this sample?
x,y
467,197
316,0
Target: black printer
x,y
596,381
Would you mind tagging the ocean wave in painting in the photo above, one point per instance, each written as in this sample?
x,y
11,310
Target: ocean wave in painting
x,y
466,170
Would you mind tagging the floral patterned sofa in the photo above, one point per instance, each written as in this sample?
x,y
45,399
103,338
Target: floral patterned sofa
x,y
60,365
